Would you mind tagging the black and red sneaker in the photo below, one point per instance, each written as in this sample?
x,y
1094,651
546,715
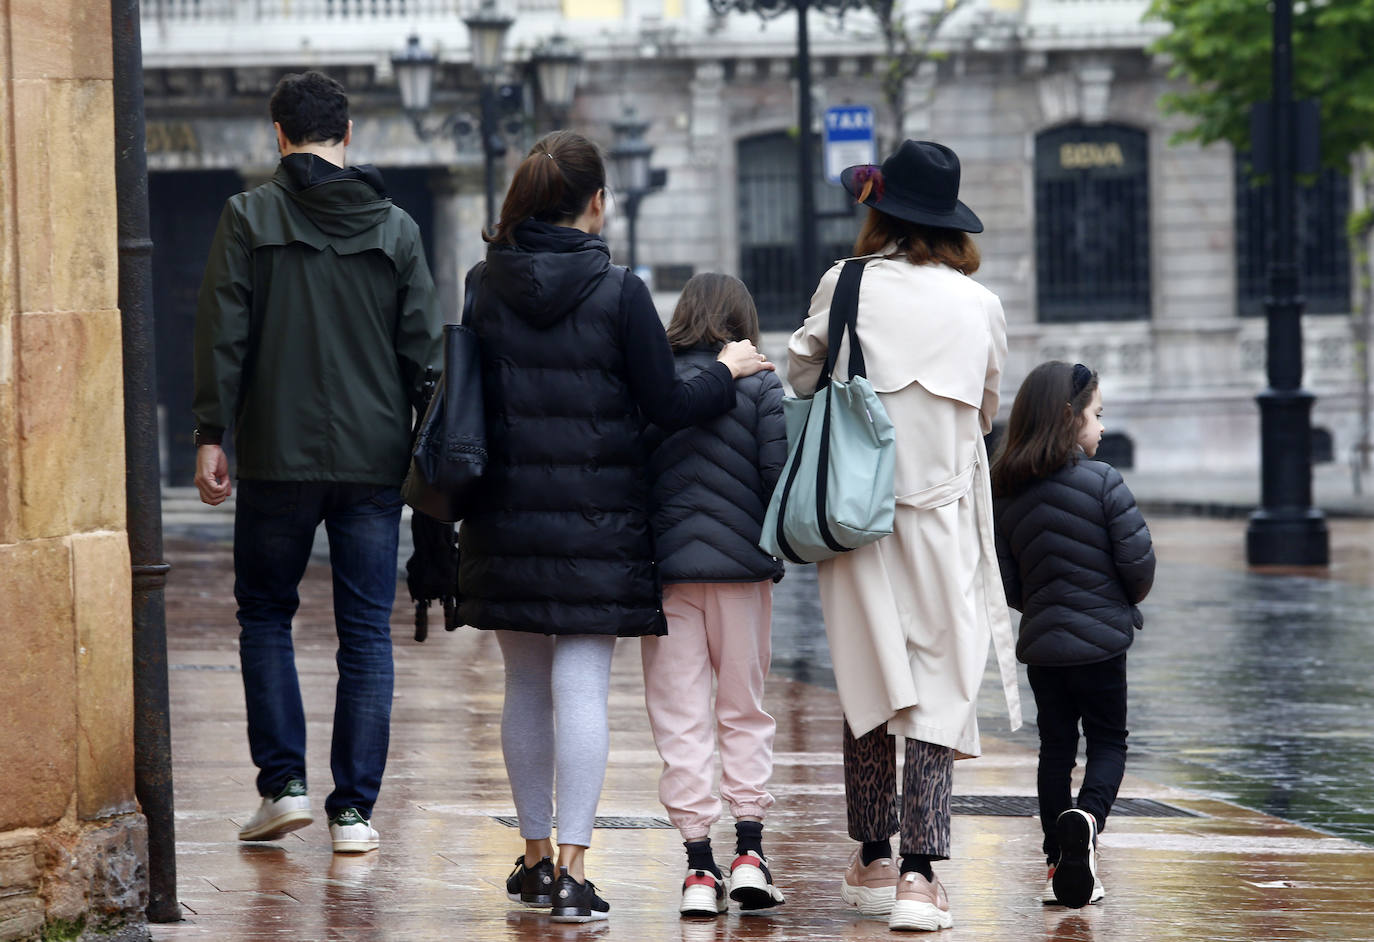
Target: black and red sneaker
x,y
703,894
751,885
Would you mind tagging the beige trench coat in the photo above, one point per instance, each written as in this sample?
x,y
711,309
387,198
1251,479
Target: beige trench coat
x,y
910,617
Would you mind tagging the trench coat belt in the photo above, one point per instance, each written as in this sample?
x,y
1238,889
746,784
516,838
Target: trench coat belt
x,y
975,478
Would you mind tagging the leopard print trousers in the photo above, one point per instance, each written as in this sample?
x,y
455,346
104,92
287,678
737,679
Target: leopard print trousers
x,y
870,791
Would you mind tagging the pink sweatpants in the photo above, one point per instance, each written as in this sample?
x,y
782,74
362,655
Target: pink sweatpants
x,y
720,628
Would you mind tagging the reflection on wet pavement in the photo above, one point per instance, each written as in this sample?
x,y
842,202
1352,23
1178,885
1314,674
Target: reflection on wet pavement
x,y
1254,687
1229,660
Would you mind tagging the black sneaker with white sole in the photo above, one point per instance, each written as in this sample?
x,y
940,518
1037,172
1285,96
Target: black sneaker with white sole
x,y
576,902
1075,875
531,886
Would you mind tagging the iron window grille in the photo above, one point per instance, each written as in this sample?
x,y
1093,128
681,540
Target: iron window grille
x,y
768,221
1323,246
1092,223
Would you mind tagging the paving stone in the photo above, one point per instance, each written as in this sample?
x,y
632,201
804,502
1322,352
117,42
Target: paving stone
x,y
1231,873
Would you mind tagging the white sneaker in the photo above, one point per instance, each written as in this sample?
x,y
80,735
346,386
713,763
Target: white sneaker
x,y
276,817
352,834
1050,899
1075,876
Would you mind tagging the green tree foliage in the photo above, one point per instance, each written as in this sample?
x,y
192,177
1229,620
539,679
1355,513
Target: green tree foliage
x,y
1222,49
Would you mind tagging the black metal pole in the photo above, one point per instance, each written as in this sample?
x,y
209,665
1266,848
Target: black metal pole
x,y
1287,530
152,728
632,214
492,146
806,250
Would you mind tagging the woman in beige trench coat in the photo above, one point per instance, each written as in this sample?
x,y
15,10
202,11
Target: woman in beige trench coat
x,y
910,617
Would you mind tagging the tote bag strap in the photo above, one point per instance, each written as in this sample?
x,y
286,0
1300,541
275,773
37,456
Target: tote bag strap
x,y
844,315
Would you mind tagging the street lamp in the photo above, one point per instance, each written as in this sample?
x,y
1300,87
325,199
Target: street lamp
x,y
556,65
1287,529
415,69
630,161
807,252
488,28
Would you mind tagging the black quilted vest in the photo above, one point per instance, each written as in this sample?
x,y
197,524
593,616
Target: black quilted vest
x,y
562,542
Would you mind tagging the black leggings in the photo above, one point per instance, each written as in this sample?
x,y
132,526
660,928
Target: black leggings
x,y
1095,694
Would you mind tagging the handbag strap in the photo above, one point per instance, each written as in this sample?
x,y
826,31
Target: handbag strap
x,y
476,274
844,315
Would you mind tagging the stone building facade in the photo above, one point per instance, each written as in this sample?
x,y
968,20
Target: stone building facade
x,y
72,843
1106,242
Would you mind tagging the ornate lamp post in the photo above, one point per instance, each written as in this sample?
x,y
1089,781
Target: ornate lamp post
x,y
630,161
1287,529
807,251
488,28
556,65
415,69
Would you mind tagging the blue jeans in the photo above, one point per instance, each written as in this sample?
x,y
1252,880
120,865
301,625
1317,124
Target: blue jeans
x,y
274,529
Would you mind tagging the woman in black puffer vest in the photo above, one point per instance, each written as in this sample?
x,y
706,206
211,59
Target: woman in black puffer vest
x,y
1076,558
558,557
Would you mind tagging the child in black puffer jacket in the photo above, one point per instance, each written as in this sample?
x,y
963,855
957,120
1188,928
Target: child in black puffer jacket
x,y
1076,559
711,486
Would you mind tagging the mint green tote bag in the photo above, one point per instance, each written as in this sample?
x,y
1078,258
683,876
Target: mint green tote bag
x,y
835,491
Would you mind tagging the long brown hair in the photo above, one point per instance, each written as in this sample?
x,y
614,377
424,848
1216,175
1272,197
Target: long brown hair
x,y
1042,433
554,183
921,244
713,310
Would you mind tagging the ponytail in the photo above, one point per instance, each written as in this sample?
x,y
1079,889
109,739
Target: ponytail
x,y
554,183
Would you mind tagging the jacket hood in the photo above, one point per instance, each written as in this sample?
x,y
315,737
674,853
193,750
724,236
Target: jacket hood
x,y
548,273
341,201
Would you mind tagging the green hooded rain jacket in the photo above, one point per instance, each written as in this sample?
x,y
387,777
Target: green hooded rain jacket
x,y
316,321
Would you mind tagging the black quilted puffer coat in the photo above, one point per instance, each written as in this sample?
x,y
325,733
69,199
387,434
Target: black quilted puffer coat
x,y
712,483
1076,558
574,365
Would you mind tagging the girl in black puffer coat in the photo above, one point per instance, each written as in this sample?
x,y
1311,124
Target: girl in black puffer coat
x,y
1076,559
711,486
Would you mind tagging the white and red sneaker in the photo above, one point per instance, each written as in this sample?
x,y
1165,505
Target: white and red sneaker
x,y
751,885
703,894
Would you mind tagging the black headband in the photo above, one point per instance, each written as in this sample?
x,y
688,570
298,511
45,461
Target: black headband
x,y
1082,376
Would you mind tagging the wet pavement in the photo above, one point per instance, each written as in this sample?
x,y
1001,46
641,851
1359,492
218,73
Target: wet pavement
x,y
1250,701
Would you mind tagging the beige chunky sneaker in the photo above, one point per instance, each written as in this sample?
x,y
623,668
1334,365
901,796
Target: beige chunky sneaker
x,y
871,888
921,905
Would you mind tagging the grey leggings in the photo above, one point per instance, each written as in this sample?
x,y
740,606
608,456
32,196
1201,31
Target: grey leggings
x,y
554,719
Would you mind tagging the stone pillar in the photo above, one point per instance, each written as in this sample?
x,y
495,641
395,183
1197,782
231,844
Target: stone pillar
x,y
72,845
711,150
459,214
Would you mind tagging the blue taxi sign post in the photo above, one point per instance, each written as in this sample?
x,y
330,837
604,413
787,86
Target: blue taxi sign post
x,y
849,139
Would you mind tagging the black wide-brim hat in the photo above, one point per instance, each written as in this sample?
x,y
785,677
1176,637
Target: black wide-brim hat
x,y
919,183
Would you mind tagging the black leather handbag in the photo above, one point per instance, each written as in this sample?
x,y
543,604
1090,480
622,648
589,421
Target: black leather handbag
x,y
450,451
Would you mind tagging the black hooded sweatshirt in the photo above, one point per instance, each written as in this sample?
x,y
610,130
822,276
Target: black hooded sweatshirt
x,y
575,363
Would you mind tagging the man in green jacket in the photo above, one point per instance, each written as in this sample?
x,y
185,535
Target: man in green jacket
x,y
316,322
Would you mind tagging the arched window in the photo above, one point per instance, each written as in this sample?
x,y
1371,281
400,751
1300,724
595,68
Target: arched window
x,y
769,218
1092,223
1323,247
